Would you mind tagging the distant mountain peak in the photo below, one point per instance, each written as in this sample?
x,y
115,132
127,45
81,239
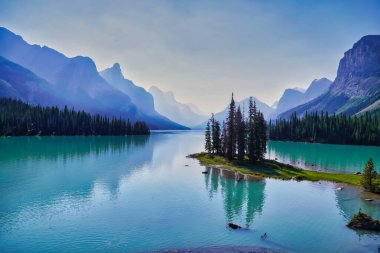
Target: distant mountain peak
x,y
116,67
114,73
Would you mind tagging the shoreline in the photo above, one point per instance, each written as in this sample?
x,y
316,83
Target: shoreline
x,y
326,143
274,169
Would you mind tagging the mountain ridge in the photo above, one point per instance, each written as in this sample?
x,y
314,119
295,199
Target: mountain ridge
x,y
357,84
77,80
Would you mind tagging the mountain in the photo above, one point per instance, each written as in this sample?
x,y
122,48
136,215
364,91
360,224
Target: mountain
x,y
20,83
76,80
221,116
357,84
317,88
138,95
289,99
166,104
292,98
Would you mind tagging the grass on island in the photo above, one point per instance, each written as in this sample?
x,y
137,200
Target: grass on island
x,y
274,169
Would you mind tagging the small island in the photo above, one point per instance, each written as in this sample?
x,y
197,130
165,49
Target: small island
x,y
274,169
239,145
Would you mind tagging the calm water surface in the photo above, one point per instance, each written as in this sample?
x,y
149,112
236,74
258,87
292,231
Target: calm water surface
x,y
325,157
132,194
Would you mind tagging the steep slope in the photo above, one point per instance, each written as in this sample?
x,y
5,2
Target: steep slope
x,y
317,88
221,116
166,104
357,84
292,98
76,80
138,95
20,83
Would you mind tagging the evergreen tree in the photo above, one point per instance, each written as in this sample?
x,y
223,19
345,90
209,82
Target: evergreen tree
x,y
231,135
368,176
224,139
262,136
208,146
251,131
240,134
216,142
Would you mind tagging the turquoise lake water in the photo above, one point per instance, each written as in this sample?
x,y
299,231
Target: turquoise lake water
x,y
136,194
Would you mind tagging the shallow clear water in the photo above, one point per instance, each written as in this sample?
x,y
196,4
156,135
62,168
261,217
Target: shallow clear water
x,y
131,194
326,157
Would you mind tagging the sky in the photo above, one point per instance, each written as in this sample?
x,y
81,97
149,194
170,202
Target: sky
x,y
202,50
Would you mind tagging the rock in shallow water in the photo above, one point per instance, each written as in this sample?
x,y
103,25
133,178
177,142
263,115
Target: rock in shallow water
x,y
364,221
234,226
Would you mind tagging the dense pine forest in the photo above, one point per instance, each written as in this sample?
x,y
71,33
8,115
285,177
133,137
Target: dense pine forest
x,y
18,118
325,128
238,137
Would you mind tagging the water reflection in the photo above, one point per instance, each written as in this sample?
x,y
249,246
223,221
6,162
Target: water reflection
x,y
80,163
341,158
57,147
241,200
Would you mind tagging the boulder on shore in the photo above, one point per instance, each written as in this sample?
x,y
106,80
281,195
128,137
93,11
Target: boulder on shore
x,y
364,221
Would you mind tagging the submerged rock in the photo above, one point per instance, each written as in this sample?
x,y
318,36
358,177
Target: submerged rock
x,y
204,172
234,226
364,221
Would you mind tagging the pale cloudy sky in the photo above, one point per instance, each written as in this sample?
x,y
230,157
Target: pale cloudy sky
x,y
202,50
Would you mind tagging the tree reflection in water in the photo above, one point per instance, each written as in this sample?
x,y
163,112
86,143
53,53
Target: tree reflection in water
x,y
242,200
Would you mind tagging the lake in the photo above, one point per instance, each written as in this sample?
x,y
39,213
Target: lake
x,y
324,157
136,194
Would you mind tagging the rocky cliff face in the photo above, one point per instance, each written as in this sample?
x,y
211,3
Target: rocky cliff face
x,y
357,85
360,63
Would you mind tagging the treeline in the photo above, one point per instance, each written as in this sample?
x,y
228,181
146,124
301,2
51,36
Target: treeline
x,y
238,137
18,118
324,128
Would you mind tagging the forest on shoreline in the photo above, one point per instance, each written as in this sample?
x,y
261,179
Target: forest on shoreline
x,y
324,128
21,119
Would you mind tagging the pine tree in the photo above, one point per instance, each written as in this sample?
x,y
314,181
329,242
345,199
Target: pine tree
x,y
231,135
240,134
216,142
223,139
262,136
208,146
251,131
368,176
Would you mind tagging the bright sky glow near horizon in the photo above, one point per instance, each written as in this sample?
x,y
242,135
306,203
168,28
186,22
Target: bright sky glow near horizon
x,y
202,50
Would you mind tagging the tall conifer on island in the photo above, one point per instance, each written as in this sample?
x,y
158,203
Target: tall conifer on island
x,y
247,137
251,138
223,139
262,135
208,147
240,134
231,130
216,142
